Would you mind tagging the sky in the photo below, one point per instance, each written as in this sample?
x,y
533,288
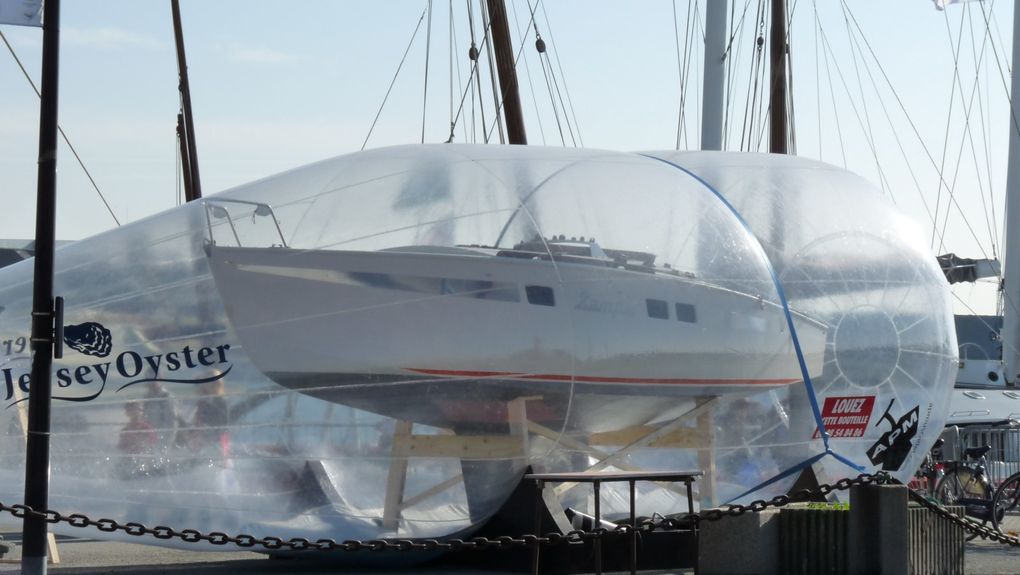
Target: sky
x,y
275,85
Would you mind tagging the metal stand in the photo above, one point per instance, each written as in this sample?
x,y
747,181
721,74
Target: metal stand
x,y
596,479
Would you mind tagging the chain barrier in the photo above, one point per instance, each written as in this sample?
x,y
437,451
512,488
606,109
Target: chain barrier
x,y
968,524
675,522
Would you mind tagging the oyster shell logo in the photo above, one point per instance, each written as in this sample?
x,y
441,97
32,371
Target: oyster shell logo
x,y
90,338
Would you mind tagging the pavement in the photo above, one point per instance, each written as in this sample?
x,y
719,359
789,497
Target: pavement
x,y
92,557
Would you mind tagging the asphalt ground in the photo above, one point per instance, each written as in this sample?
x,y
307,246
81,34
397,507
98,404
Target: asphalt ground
x,y
92,557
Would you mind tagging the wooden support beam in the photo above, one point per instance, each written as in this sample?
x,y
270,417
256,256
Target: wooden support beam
x,y
396,479
459,446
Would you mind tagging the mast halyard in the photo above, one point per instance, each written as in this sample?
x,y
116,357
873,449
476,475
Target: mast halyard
x,y
512,112
1010,334
185,120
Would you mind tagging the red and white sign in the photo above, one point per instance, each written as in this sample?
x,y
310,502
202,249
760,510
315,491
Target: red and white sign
x,y
846,416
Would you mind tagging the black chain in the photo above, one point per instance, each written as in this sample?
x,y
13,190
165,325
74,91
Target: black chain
x,y
968,524
504,542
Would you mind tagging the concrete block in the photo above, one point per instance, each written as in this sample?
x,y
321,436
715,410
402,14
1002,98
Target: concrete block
x,y
879,542
742,545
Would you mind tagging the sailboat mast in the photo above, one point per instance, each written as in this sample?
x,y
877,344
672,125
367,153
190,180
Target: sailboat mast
x,y
715,74
1010,334
189,153
512,113
778,133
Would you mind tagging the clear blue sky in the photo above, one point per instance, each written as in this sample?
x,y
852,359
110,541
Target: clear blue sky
x,y
279,84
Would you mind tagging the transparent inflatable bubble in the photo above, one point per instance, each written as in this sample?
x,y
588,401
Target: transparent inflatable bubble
x,y
380,345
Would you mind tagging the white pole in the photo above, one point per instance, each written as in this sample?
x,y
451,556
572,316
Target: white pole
x,y
1011,286
715,74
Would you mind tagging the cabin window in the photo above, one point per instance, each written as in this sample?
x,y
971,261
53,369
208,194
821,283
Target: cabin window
x,y
657,308
685,312
540,295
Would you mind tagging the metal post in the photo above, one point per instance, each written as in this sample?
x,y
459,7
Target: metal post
x,y
777,49
715,74
598,525
1011,280
189,123
37,449
633,532
512,112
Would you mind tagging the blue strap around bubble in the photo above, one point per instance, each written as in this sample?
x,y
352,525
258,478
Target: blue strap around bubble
x,y
793,336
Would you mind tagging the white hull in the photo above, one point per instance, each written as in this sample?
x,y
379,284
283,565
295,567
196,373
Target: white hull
x,y
447,338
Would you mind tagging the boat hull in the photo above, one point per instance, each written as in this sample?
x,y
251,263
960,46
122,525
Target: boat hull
x,y
447,339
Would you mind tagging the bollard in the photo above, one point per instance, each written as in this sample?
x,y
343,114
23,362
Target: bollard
x,y
878,531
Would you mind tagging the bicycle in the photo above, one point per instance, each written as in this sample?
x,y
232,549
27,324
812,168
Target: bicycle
x,y
968,485
930,472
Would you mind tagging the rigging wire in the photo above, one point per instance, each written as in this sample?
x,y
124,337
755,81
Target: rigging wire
x,y
949,117
750,101
451,43
61,129
552,99
818,84
895,133
475,84
573,124
699,25
868,130
792,132
460,76
517,58
527,71
425,88
850,99
497,101
832,94
552,87
1002,74
680,72
910,121
731,58
986,121
683,63
394,80
177,168
968,106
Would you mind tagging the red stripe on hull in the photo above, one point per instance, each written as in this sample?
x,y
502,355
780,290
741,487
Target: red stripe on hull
x,y
595,379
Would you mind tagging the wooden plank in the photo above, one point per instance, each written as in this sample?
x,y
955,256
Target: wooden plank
x,y
435,489
52,555
461,446
397,477
615,459
706,461
681,438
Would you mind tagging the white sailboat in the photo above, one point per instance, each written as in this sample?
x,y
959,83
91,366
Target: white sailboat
x,y
379,328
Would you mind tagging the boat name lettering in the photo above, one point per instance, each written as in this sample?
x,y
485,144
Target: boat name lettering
x,y
588,302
